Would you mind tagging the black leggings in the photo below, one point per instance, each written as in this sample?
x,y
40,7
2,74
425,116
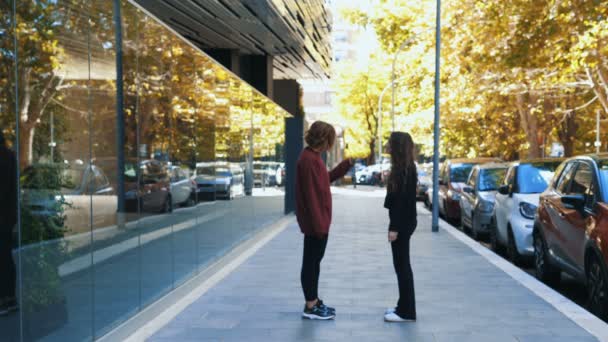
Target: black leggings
x,y
7,265
406,306
314,249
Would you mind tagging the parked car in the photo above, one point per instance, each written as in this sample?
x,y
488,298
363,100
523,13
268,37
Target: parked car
x,y
229,181
478,195
148,187
372,175
276,173
425,182
61,196
204,177
183,189
571,228
261,174
428,198
516,203
452,177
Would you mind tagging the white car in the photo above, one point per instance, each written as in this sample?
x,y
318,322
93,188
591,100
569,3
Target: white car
x,y
366,175
515,206
183,189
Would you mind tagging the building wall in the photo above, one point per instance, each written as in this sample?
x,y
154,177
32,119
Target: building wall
x,y
192,130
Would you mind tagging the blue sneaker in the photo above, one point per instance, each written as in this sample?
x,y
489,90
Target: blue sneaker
x,y
325,307
317,312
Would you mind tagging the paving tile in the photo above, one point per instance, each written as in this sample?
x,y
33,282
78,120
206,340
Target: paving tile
x,y
460,295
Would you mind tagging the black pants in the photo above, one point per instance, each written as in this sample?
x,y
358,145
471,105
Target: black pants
x,y
406,306
7,265
314,250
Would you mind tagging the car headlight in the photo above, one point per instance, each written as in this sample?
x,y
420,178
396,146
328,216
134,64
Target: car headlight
x,y
485,206
527,210
455,196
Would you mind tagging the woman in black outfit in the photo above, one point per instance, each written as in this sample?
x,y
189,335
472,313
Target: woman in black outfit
x,y
401,204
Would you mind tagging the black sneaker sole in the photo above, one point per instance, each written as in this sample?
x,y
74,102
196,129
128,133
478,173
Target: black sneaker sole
x,y
316,317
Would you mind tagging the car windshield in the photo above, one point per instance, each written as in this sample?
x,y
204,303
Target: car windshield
x,y
205,170
603,167
72,179
222,173
490,179
534,178
459,173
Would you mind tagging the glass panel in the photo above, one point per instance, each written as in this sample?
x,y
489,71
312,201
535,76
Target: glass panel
x,y
56,172
182,115
268,139
9,242
152,198
116,291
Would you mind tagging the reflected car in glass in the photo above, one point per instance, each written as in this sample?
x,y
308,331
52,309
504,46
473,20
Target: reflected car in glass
x,y
61,194
571,228
453,175
261,174
148,187
516,203
183,189
478,196
204,177
229,181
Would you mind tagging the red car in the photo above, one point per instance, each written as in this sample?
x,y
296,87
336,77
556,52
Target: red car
x,y
571,228
453,175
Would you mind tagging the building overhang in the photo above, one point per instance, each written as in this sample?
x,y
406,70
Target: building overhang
x,y
295,33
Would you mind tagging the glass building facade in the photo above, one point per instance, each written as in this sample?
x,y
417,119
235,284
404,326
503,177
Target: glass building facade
x,y
132,176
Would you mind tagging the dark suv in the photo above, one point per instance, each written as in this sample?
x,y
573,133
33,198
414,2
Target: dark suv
x,y
571,228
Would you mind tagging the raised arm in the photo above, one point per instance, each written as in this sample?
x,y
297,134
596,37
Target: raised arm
x,y
340,170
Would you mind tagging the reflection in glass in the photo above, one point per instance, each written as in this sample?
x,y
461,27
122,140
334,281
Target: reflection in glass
x,y
202,169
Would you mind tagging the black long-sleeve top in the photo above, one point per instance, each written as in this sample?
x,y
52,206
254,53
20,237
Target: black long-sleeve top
x,y
401,204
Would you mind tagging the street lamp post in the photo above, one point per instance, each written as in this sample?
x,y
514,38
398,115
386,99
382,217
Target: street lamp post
x,y
435,221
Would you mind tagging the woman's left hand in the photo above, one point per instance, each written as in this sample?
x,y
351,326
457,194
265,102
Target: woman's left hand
x,y
392,236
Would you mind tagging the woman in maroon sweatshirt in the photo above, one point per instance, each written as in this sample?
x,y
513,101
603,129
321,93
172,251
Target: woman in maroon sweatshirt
x,y
313,210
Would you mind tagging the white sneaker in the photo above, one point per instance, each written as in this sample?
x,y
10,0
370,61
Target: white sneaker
x,y
393,317
389,311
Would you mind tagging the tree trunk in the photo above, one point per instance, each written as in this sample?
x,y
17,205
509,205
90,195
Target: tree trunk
x,y
529,123
26,145
372,154
567,130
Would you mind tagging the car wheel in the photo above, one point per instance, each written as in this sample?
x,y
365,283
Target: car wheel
x,y
474,232
427,203
512,252
597,288
230,194
190,201
464,227
494,244
545,272
168,205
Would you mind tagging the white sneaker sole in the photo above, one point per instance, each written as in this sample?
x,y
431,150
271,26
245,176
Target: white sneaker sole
x,y
399,320
315,317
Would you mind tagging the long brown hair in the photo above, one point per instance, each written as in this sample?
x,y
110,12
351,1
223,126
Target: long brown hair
x,y
402,160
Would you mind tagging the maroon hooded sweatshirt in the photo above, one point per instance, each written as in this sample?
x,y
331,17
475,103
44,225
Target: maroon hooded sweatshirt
x,y
313,195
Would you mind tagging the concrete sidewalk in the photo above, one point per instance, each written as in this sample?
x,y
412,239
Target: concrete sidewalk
x,y
461,296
